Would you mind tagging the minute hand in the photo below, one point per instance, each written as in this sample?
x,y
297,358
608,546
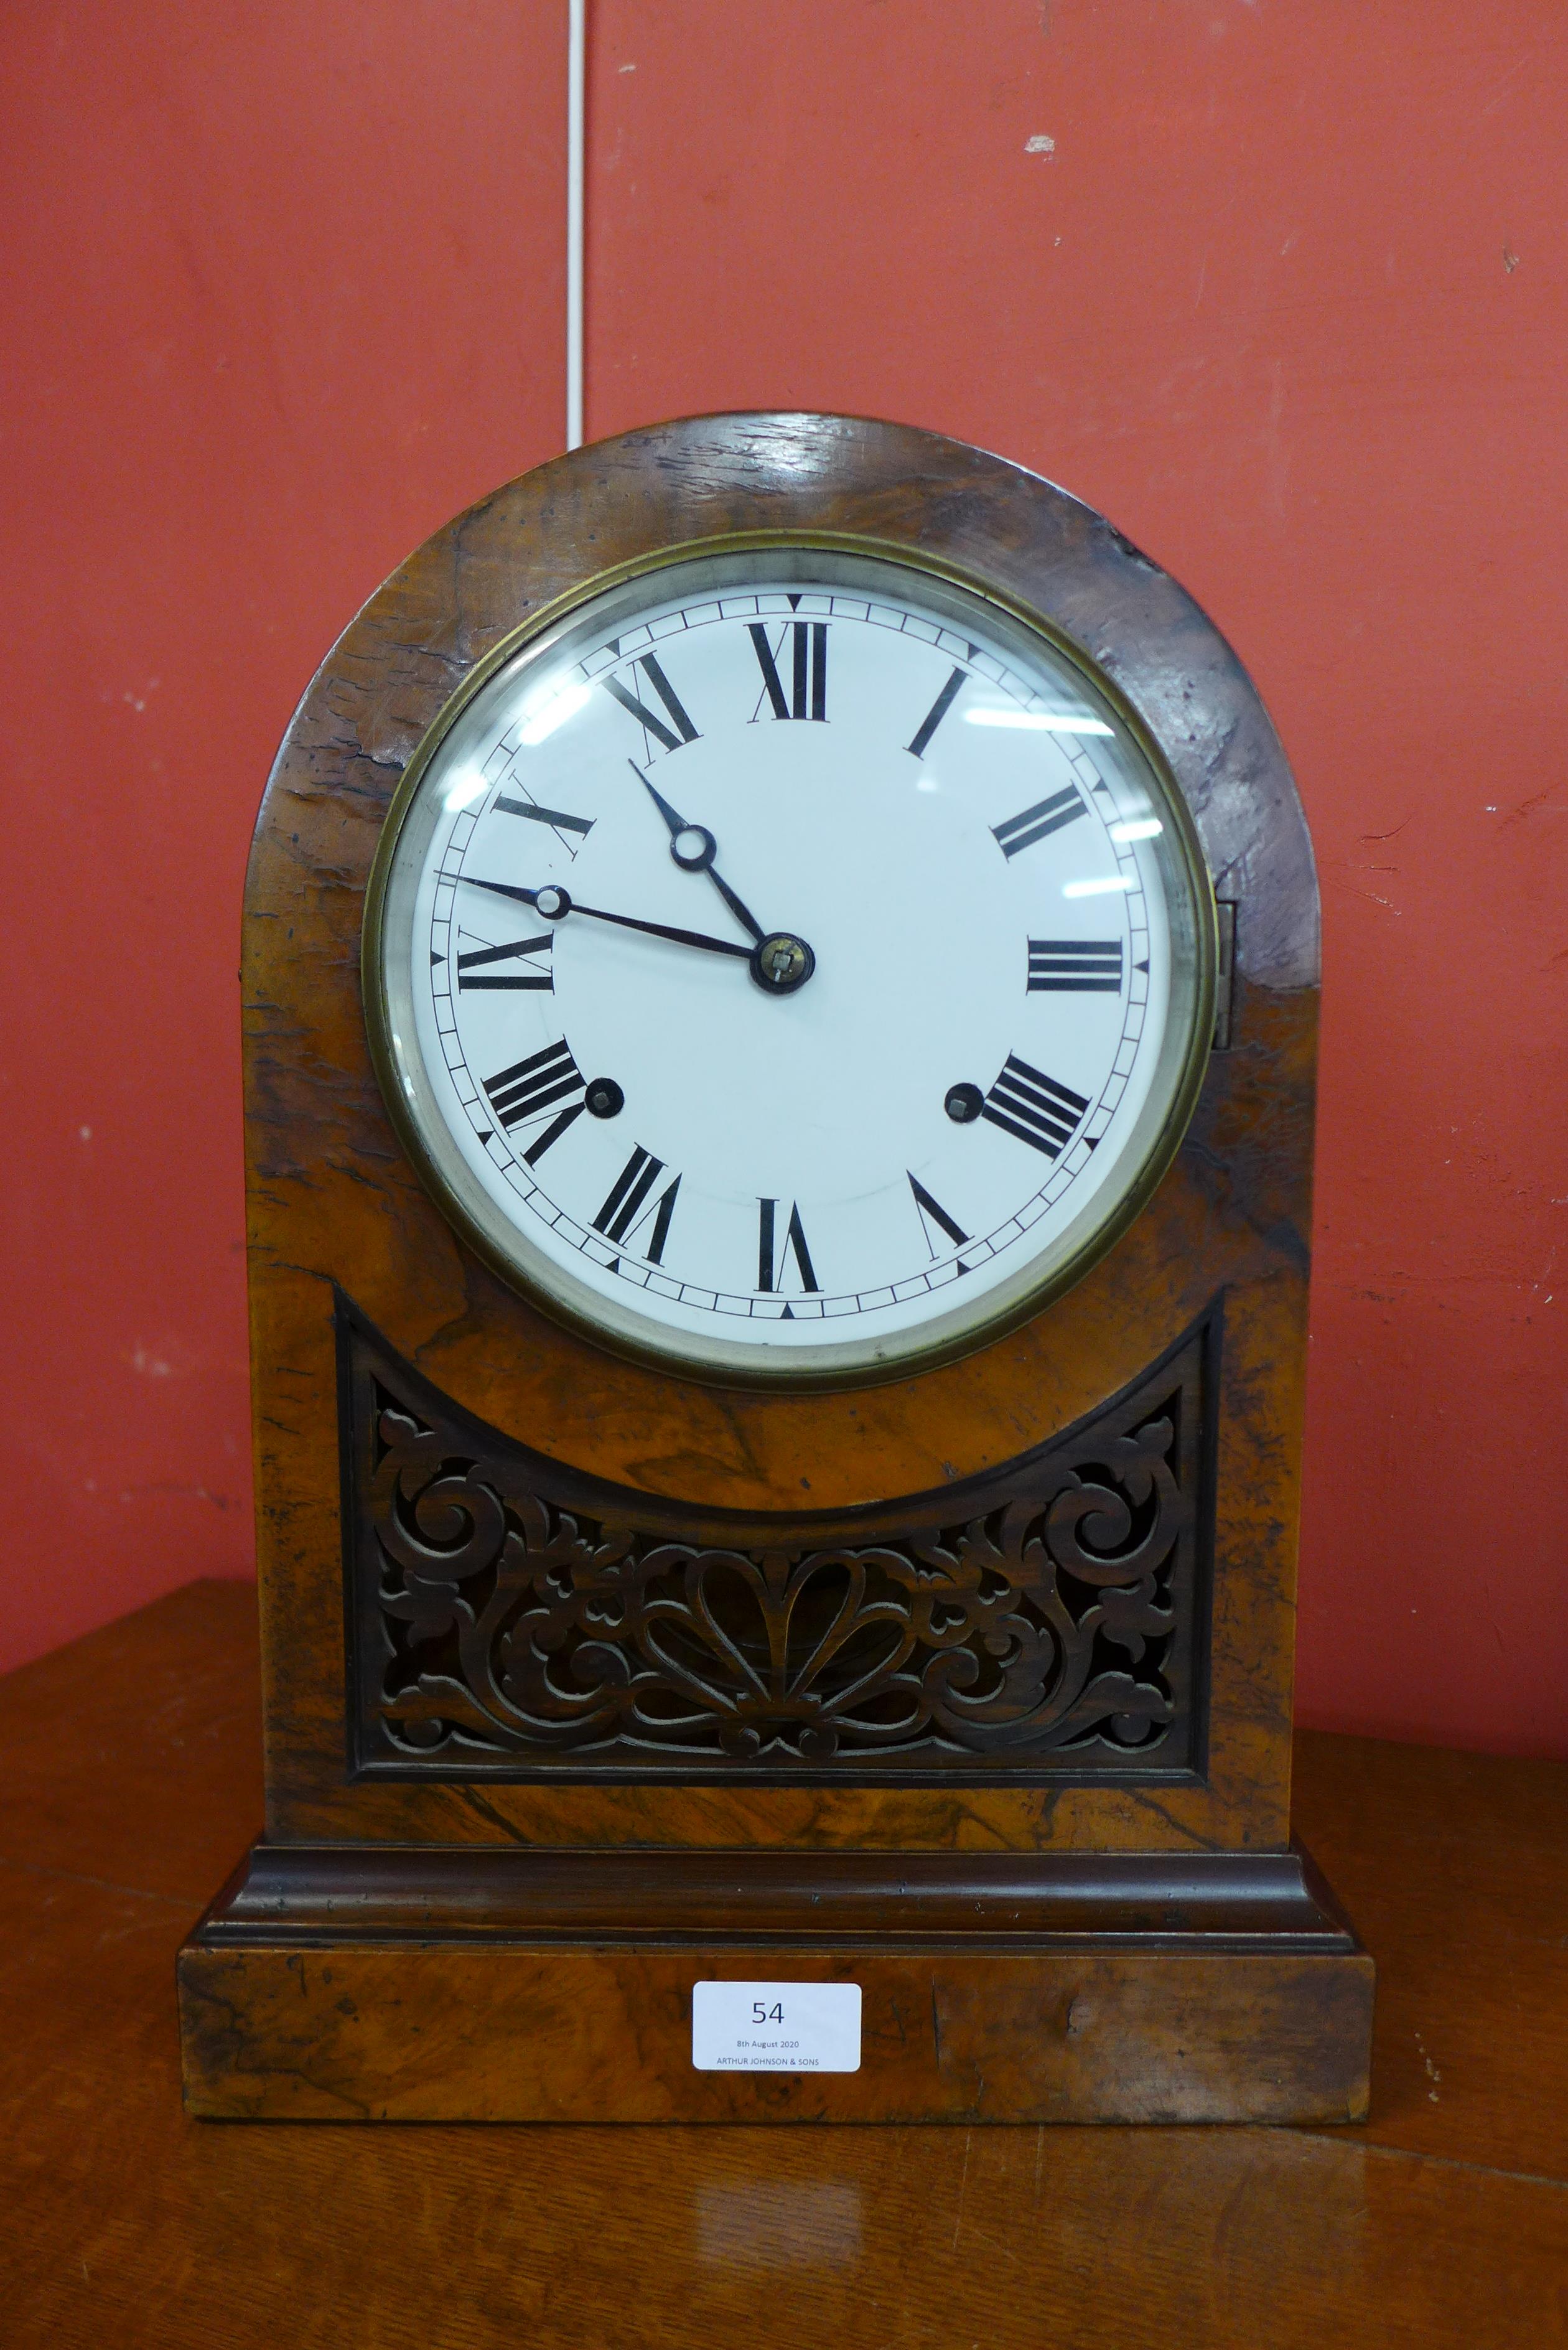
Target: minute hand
x,y
554,904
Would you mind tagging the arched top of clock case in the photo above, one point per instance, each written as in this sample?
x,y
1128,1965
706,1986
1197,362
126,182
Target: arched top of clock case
x,y
332,1195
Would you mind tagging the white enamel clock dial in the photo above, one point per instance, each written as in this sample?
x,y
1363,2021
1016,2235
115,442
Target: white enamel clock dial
x,y
789,965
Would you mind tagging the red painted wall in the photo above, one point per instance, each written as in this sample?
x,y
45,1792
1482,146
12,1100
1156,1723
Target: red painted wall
x,y
282,290
1279,284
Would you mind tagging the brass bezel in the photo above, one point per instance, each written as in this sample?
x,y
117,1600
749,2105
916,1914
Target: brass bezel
x,y
794,1377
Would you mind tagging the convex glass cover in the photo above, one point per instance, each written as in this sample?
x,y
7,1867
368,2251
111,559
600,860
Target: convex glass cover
x,y
790,963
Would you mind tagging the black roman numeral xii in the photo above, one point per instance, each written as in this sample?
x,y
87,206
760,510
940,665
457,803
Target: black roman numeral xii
x,y
807,656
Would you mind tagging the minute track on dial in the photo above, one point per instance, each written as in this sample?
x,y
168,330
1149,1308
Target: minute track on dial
x,y
963,1086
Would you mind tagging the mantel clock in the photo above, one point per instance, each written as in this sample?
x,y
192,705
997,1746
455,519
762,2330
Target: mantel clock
x,y
781,980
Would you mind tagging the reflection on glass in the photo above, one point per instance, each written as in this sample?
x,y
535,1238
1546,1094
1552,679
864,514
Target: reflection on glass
x,y
1039,722
467,786
546,716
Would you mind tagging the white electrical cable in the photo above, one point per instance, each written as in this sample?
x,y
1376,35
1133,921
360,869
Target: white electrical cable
x,y
577,81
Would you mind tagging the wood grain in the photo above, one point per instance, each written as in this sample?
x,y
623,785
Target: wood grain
x,y
1460,1864
332,1197
124,2224
522,2031
542,1640
156,1713
418,1983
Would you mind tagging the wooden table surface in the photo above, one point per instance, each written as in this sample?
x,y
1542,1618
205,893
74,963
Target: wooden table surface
x,y
130,1780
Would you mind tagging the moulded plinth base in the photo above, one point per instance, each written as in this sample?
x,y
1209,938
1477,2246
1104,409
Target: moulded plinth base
x,y
380,1983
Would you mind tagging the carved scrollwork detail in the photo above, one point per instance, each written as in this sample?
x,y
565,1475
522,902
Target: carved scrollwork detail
x,y
509,1614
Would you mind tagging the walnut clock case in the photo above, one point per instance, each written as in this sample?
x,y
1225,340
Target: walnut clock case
x,y
781,980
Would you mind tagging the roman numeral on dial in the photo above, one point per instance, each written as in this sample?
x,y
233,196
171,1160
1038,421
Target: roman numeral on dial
x,y
557,818
771,1258
931,1212
675,727
528,1088
629,1204
1074,966
1038,1109
1035,824
938,711
808,660
473,969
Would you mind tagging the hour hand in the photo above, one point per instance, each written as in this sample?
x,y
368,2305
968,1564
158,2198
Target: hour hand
x,y
693,848
677,823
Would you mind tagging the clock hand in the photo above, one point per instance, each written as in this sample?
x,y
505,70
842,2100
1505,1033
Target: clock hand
x,y
499,888
693,848
554,904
